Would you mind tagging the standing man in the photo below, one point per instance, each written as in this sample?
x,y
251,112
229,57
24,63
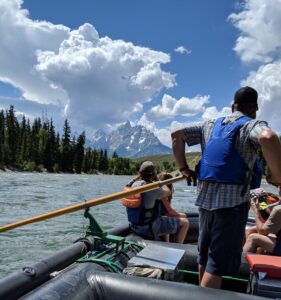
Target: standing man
x,y
229,149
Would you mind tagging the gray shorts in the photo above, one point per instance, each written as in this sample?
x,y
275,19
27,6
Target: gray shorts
x,y
165,225
220,241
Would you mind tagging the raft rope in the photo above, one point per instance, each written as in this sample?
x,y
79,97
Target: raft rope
x,y
106,257
223,277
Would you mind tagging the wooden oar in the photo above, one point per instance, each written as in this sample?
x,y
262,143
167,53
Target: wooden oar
x,y
90,203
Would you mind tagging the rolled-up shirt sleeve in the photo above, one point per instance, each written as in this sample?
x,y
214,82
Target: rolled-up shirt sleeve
x,y
193,133
256,129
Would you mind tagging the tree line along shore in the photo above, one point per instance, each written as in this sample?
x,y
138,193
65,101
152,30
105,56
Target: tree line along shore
x,y
36,146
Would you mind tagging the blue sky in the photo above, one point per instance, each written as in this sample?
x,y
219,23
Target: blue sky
x,y
159,63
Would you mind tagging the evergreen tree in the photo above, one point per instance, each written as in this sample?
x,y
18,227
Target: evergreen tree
x,y
52,147
114,155
35,139
31,147
95,160
66,149
79,153
22,141
57,156
11,138
27,156
43,146
100,160
103,160
88,161
120,166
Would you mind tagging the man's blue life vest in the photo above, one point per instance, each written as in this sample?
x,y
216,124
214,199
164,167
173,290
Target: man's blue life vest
x,y
142,216
221,161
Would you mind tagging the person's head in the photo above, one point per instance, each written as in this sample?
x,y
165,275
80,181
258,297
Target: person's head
x,y
165,176
246,101
265,201
148,171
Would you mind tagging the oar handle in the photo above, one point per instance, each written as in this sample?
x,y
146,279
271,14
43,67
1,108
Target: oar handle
x,y
90,203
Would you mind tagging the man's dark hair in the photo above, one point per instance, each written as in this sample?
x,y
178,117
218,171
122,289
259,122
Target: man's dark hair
x,y
246,95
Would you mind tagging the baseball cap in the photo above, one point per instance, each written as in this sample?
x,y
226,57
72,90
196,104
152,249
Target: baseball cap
x,y
147,167
246,95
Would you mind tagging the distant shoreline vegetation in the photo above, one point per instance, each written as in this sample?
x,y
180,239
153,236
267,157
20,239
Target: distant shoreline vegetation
x,y
38,147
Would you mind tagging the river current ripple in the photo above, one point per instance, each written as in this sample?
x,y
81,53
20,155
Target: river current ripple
x,y
24,195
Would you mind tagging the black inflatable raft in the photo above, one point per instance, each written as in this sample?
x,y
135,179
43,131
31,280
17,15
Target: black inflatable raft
x,y
92,268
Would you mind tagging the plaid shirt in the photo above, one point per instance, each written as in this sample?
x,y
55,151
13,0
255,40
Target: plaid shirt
x,y
213,195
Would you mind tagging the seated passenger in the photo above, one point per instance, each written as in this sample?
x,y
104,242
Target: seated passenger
x,y
145,219
167,209
266,234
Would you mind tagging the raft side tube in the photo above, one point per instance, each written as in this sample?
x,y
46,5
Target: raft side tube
x,y
88,283
22,281
122,230
72,283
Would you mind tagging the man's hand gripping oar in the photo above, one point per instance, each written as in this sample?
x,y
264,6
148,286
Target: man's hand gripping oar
x,y
189,175
178,144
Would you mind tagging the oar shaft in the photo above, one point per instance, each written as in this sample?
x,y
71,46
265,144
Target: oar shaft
x,y
90,203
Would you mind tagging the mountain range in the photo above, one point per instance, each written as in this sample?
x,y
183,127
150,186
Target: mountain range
x,y
129,141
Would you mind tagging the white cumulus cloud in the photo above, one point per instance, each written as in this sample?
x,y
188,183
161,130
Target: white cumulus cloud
x,y
93,79
144,121
259,23
20,39
182,50
267,81
213,113
171,107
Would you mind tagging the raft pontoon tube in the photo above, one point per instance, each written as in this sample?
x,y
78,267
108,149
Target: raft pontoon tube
x,y
85,281
21,282
80,271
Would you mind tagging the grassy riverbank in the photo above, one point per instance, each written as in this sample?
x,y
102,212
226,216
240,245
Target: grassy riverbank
x,y
162,162
167,162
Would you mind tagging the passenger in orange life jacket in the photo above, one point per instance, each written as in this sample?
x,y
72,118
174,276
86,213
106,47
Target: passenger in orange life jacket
x,y
167,207
144,215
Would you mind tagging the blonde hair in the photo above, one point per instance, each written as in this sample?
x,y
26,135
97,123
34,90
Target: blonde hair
x,y
165,176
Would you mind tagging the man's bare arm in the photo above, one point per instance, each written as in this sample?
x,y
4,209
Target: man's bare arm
x,y
271,149
178,145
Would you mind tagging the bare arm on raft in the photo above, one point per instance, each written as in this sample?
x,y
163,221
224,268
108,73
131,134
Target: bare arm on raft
x,y
271,149
170,211
178,145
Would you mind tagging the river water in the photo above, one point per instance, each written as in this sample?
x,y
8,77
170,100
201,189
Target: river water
x,y
24,195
